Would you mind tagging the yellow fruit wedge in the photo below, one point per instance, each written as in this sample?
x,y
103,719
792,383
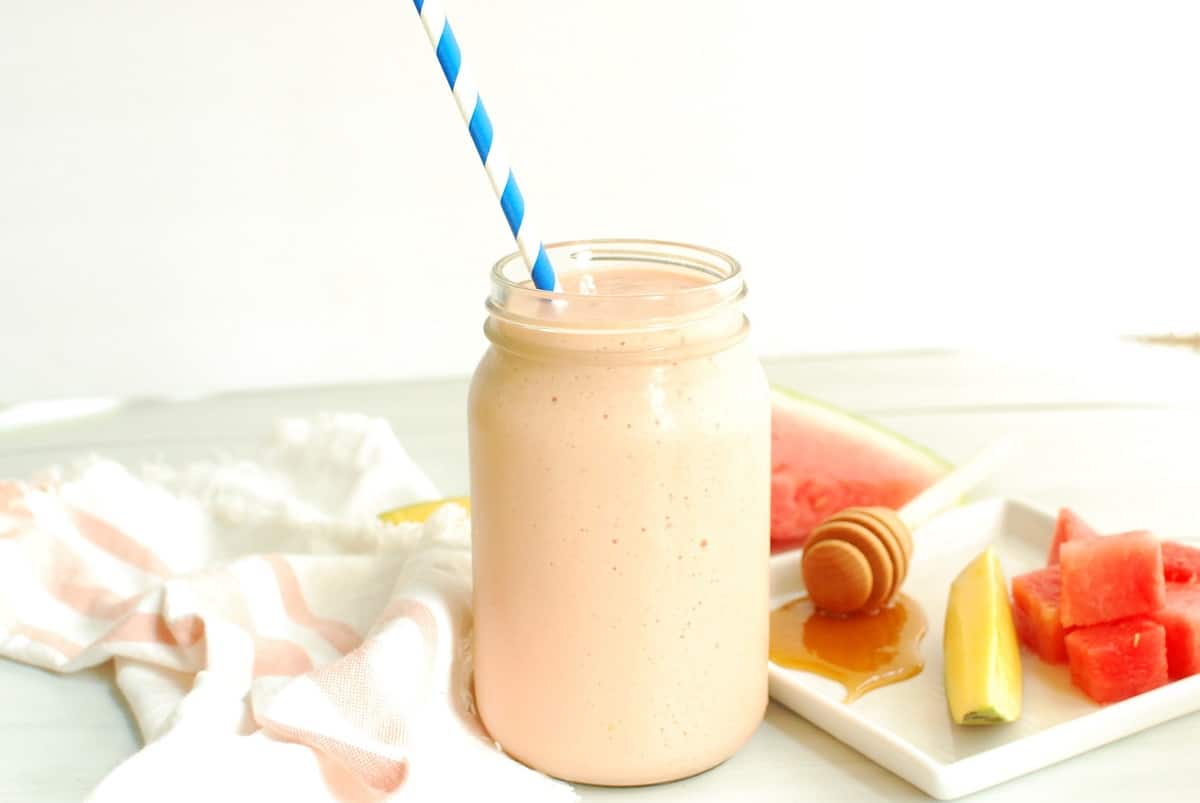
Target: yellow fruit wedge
x,y
983,661
422,510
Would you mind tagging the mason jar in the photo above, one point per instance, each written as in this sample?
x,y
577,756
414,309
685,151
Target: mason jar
x,y
620,493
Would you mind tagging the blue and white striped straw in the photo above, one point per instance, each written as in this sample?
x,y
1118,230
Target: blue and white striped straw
x,y
493,157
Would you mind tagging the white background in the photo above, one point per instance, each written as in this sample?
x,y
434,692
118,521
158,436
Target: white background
x,y
197,196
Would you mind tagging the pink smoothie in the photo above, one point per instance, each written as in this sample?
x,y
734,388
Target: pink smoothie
x,y
620,480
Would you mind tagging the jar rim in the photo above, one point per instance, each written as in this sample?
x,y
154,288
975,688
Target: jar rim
x,y
726,271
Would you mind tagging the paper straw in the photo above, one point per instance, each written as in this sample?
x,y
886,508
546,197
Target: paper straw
x,y
495,162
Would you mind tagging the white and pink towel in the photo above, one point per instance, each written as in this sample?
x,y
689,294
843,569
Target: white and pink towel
x,y
274,639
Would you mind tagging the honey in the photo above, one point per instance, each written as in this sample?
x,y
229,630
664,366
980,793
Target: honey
x,y
861,651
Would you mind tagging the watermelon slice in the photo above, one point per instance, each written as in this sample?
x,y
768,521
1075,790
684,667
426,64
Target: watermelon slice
x,y
1110,578
1069,527
1181,563
1181,619
824,460
1111,662
1035,612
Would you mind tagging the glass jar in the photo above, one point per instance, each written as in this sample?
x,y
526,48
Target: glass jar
x,y
620,495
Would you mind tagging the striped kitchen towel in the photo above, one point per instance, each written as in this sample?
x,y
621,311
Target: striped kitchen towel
x,y
274,639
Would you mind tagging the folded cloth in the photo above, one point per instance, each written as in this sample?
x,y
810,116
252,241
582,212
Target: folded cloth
x,y
274,639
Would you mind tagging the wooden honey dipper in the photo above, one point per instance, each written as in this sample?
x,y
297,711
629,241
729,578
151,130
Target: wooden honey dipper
x,y
858,558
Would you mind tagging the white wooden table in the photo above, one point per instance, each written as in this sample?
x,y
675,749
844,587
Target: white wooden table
x,y
1116,434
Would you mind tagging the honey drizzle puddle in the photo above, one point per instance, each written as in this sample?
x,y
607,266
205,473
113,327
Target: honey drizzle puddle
x,y
862,651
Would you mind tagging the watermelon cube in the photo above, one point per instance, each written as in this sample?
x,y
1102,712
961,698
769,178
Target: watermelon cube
x,y
1069,527
1181,619
1113,661
1035,612
1181,563
1110,578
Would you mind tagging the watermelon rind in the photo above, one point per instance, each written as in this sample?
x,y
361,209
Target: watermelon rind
x,y
860,426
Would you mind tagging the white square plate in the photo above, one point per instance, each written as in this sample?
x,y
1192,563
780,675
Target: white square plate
x,y
906,728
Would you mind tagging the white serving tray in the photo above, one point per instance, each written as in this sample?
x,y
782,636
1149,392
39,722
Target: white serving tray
x,y
906,728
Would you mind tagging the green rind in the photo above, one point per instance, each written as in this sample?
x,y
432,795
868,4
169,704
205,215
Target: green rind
x,y
990,716
792,398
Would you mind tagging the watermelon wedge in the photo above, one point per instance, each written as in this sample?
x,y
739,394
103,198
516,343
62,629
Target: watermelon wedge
x,y
1181,563
1181,619
1110,578
824,460
1069,527
1036,597
1113,661
1122,610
